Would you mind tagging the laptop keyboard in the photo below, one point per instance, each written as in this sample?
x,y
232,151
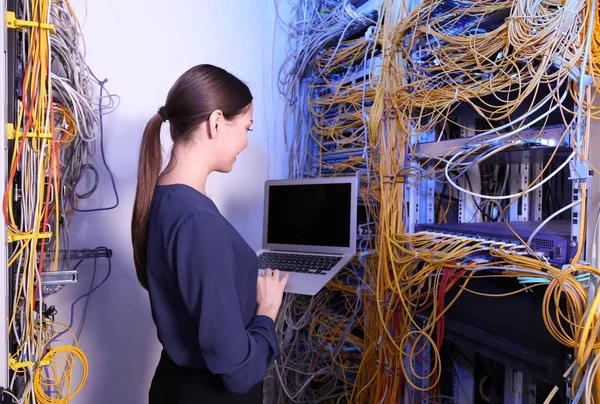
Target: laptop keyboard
x,y
301,263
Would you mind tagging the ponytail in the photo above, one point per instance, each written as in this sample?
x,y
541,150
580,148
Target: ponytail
x,y
148,171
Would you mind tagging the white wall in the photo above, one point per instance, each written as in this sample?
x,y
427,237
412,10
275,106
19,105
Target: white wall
x,y
142,46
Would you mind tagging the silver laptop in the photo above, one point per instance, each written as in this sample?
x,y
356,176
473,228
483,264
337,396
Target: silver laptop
x,y
309,230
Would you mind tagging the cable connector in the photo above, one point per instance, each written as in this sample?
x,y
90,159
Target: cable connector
x,y
574,71
370,34
579,171
14,23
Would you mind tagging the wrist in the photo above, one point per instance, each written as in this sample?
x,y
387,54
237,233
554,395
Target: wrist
x,y
267,310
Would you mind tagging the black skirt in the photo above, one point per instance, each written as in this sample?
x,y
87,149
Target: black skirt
x,y
174,384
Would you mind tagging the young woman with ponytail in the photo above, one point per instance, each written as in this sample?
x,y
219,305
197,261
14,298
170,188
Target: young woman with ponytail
x,y
214,314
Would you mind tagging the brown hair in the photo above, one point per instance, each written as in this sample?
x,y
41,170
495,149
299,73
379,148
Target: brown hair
x,y
195,95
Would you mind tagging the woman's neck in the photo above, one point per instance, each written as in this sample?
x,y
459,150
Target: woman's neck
x,y
186,169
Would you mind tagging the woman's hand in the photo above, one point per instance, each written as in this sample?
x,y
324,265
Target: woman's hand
x,y
269,293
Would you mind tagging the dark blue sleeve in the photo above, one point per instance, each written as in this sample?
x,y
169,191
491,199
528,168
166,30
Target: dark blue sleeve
x,y
205,263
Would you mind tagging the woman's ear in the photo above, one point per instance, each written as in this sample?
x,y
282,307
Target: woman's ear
x,y
215,123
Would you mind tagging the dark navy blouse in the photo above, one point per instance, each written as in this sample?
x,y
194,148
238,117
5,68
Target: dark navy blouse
x,y
202,283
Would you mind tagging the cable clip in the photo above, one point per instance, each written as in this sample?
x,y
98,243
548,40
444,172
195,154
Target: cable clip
x,y
13,134
13,22
14,365
387,369
12,236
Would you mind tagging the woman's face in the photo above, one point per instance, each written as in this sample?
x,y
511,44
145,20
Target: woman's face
x,y
232,139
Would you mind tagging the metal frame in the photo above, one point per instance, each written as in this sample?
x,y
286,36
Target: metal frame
x,y
513,386
425,208
467,210
519,388
519,181
413,192
422,366
463,378
5,113
421,194
535,210
551,136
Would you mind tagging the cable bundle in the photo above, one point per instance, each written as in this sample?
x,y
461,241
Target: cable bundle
x,y
317,26
467,52
58,121
328,80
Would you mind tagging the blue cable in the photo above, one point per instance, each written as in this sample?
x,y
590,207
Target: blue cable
x,y
82,168
579,392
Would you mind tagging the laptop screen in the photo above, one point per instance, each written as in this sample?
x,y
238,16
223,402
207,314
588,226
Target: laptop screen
x,y
310,214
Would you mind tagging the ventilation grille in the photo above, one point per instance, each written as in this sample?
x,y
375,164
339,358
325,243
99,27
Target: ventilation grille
x,y
545,244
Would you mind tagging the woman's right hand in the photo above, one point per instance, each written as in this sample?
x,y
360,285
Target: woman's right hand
x,y
269,293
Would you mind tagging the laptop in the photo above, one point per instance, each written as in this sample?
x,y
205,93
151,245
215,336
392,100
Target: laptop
x,y
309,230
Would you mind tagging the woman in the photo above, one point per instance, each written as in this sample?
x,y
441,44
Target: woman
x,y
214,314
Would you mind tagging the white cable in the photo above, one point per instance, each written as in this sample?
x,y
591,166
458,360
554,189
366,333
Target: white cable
x,y
527,125
446,172
549,218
